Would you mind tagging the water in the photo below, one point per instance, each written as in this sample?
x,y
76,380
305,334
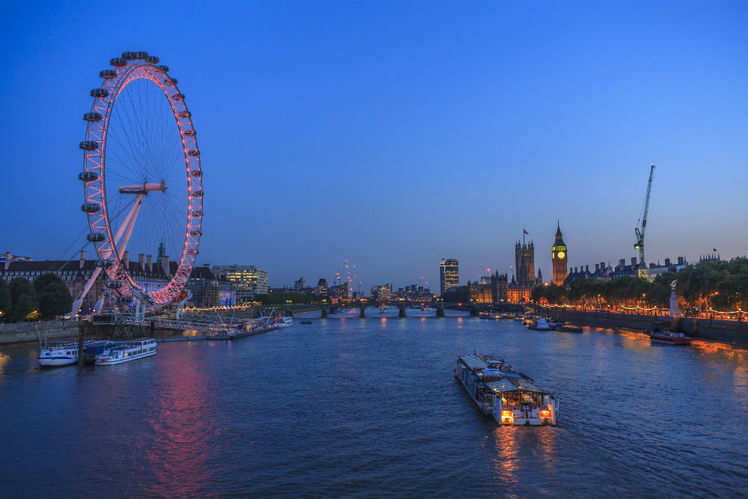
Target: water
x,y
360,408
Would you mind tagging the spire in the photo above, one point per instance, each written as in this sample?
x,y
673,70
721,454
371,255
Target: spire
x,y
559,236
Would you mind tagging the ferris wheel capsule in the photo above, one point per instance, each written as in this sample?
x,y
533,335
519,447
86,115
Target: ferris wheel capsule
x,y
129,56
164,68
96,237
88,176
93,116
141,55
89,145
118,62
99,93
152,59
90,207
107,74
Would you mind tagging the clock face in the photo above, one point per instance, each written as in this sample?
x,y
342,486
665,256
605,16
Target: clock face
x,y
561,255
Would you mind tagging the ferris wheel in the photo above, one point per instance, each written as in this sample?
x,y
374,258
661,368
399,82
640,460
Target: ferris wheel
x,y
141,163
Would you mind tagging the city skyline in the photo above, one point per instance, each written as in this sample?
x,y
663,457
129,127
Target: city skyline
x,y
393,137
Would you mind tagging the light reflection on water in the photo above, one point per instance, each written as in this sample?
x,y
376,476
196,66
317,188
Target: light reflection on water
x,y
371,407
181,430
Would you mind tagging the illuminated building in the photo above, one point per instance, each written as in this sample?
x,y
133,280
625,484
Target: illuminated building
x,y
321,289
248,280
520,289
150,275
524,258
382,293
449,274
560,258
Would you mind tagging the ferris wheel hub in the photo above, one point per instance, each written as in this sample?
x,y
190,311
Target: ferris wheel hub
x,y
143,188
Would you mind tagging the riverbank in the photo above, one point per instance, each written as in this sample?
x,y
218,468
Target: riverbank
x,y
724,331
26,332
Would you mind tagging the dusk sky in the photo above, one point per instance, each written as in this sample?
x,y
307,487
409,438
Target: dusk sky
x,y
393,134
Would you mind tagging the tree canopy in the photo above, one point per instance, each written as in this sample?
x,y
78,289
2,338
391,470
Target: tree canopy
x,y
722,285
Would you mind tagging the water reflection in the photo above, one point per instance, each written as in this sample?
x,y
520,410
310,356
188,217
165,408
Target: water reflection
x,y
183,422
633,340
4,359
506,462
517,446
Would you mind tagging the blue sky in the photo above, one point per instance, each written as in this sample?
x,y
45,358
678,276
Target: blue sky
x,y
396,133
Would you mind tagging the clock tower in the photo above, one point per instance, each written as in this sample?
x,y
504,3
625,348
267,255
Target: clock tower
x,y
560,258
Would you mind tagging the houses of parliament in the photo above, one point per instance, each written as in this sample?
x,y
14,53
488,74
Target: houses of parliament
x,y
497,288
520,289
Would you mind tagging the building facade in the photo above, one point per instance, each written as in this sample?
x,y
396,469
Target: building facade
x,y
449,274
560,258
524,259
149,275
248,280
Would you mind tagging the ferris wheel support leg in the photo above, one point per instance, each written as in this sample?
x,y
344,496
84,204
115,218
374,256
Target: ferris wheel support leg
x,y
139,310
79,301
128,225
100,302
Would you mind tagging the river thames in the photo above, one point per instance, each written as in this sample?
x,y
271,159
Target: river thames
x,y
350,407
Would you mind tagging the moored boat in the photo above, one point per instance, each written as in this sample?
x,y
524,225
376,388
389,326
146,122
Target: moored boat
x,y
284,321
127,351
508,396
667,337
569,328
58,354
539,325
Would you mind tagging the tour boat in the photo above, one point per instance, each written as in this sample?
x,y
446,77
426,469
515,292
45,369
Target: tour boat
x,y
510,397
666,337
540,325
284,322
127,351
569,328
58,354
64,353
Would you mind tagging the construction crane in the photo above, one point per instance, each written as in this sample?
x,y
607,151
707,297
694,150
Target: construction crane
x,y
639,231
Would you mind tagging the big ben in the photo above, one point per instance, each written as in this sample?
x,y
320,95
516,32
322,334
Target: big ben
x,y
559,257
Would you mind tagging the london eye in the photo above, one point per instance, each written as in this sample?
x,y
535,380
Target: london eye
x,y
142,181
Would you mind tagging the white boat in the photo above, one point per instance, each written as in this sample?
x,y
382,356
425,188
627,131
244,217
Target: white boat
x,y
510,397
125,352
64,353
540,325
284,322
58,354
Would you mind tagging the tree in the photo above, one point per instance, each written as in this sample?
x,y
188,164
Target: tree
x,y
4,298
43,281
22,298
23,307
53,296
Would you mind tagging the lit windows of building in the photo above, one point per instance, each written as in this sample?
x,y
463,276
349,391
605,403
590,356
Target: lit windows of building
x,y
248,279
449,274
